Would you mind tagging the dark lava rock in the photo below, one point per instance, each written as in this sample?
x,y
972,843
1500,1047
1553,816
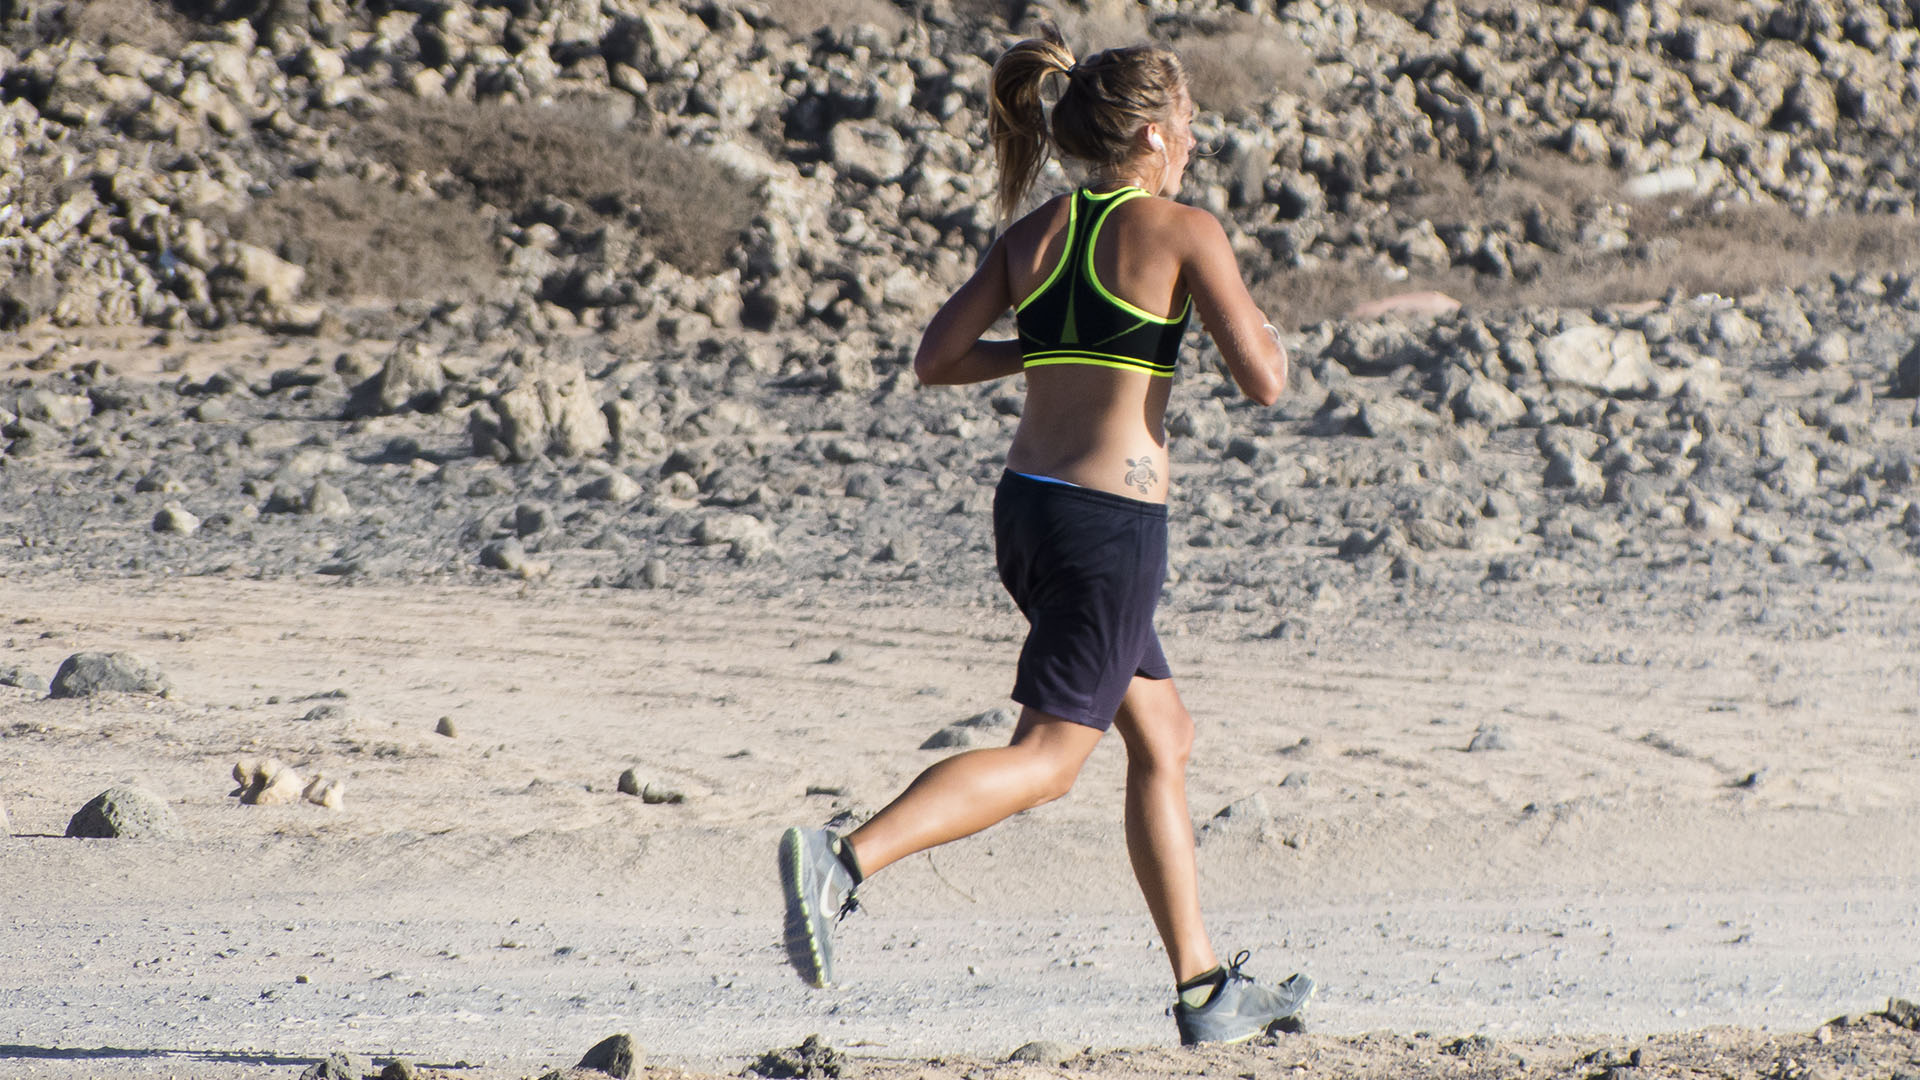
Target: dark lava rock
x,y
811,1059
335,1067
1044,1052
614,1055
1906,378
125,813
87,673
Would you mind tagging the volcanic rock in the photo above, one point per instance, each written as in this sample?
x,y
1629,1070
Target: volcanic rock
x,y
614,1055
128,813
87,673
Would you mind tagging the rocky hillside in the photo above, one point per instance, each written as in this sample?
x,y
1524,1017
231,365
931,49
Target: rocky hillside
x,y
623,291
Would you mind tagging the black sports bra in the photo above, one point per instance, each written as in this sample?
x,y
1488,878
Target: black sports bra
x,y
1072,318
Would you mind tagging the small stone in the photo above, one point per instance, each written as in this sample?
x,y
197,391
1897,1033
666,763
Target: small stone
x,y
127,813
399,1069
174,518
268,782
1903,1012
811,1060
335,1067
509,555
1829,350
1249,816
17,676
661,795
975,730
1294,779
445,727
614,1055
1044,1052
325,792
613,487
629,783
87,673
1489,737
324,500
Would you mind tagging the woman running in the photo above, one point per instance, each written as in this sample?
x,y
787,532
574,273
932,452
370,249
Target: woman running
x,y
1102,281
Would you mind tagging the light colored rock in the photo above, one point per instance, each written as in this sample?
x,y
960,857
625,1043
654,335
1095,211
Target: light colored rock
x,y
62,411
410,378
174,518
613,487
1598,358
1489,737
325,791
268,276
550,411
1489,403
267,782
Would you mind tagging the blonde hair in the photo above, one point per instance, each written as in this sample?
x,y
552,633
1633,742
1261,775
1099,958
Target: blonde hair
x,y
1107,98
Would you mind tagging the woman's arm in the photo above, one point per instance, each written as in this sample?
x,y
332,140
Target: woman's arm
x,y
1252,349
951,352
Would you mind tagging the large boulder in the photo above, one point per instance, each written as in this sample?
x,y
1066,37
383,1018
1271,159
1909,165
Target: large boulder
x,y
88,673
127,813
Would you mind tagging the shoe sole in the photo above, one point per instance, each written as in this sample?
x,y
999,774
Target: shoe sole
x,y
803,950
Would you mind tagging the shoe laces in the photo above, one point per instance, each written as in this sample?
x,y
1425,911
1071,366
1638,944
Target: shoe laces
x,y
847,907
1233,966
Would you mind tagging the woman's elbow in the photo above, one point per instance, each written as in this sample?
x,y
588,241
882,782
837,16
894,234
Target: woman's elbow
x,y
926,368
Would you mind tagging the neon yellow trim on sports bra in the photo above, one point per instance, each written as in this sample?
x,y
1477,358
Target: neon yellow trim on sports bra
x,y
1088,361
1093,276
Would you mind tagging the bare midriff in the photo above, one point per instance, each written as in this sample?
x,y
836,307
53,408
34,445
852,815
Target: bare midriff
x,y
1096,427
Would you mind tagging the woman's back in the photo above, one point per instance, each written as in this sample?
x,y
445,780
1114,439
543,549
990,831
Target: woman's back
x,y
1092,418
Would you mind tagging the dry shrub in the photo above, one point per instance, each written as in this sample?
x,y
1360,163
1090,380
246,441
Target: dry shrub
x,y
357,240
1735,253
155,27
1406,9
1236,65
1101,26
807,16
1677,247
686,207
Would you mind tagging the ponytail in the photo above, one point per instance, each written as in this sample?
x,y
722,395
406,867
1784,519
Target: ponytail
x,y
1108,96
1016,119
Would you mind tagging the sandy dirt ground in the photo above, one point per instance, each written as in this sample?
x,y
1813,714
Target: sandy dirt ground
x,y
490,905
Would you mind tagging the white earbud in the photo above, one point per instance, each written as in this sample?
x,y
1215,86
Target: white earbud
x,y
1154,140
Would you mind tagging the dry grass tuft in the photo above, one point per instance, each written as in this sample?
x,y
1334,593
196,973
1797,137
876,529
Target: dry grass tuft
x,y
1238,64
687,208
807,16
356,240
155,27
1677,248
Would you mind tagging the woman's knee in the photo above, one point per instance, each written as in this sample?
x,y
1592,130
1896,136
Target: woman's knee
x,y
1165,743
1053,777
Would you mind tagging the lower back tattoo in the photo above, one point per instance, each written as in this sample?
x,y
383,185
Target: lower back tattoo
x,y
1140,474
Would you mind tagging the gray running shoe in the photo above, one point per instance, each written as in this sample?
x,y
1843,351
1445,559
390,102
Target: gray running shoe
x,y
1242,1008
819,892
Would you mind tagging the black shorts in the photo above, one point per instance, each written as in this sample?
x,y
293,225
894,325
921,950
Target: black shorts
x,y
1085,567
